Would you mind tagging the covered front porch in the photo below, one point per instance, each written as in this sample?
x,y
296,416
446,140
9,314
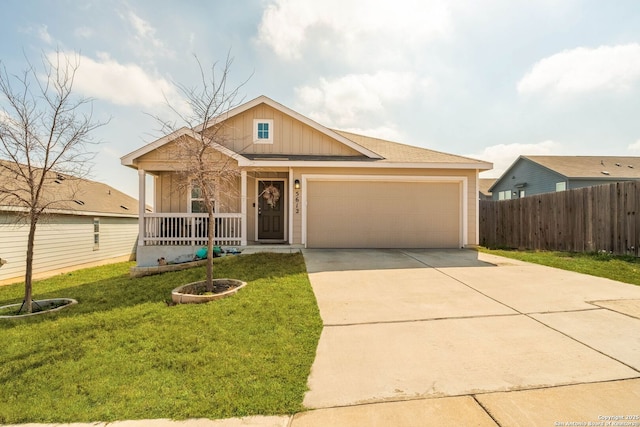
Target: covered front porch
x,y
174,232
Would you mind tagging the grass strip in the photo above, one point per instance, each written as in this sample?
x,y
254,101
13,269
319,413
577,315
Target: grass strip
x,y
623,268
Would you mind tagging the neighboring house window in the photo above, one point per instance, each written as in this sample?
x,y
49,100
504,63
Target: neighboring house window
x,y
504,195
521,194
263,131
561,186
96,234
196,201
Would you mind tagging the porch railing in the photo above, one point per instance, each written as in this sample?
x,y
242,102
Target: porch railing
x,y
191,229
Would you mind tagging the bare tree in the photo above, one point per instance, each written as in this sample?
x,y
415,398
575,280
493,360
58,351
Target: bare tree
x,y
202,158
45,132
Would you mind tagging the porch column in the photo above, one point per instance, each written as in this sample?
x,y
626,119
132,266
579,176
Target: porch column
x,y
243,207
142,192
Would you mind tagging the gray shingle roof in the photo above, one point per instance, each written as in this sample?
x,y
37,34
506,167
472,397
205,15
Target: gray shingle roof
x,y
593,167
76,194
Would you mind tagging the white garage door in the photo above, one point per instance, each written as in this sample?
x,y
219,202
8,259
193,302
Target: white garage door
x,y
366,214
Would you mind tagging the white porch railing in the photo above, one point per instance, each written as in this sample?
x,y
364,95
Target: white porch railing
x,y
191,229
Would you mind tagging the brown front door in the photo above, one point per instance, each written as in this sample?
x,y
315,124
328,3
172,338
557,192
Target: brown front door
x,y
271,210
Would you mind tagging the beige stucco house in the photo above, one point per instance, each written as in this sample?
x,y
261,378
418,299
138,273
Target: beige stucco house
x,y
336,189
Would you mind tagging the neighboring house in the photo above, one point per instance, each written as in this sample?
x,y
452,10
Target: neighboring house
x,y
485,185
98,225
337,189
530,175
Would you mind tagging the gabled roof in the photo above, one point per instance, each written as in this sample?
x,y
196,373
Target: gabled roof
x,y
591,167
89,197
128,159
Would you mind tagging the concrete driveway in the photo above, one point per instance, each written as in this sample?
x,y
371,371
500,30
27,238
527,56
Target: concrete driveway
x,y
456,337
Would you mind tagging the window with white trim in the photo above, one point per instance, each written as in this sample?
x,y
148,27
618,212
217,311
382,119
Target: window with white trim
x,y
504,195
262,131
196,201
96,234
561,186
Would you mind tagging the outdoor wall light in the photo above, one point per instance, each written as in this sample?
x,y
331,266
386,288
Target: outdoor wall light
x,y
296,184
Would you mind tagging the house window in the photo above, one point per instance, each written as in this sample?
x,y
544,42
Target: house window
x,y
196,201
561,186
504,195
263,131
521,193
96,234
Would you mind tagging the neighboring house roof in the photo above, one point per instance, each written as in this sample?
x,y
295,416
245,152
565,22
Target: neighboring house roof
x,y
604,168
374,151
88,197
591,167
485,184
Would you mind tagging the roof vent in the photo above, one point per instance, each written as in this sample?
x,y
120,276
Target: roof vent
x,y
80,202
57,181
618,164
60,177
605,173
124,207
630,166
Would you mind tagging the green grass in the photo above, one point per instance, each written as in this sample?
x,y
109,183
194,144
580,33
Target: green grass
x,y
123,353
622,268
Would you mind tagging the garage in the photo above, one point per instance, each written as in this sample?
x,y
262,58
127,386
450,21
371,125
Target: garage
x,y
381,213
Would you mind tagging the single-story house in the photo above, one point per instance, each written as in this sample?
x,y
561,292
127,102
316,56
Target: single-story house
x,y
335,189
530,175
98,226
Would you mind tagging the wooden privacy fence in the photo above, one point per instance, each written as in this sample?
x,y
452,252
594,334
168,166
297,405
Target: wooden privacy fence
x,y
590,219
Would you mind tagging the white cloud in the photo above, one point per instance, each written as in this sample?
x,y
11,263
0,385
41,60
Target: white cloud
x,y
346,101
635,147
579,70
503,155
146,42
122,84
347,28
43,33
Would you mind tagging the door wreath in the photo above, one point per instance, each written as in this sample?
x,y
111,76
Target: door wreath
x,y
271,195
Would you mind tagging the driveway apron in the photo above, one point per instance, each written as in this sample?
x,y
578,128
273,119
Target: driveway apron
x,y
405,325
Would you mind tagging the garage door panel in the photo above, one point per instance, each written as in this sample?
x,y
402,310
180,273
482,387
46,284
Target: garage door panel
x,y
364,214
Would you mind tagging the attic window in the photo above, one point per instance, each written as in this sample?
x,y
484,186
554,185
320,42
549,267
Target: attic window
x,y
262,131
80,202
124,207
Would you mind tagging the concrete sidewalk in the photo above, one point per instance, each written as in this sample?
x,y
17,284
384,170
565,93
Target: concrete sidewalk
x,y
456,337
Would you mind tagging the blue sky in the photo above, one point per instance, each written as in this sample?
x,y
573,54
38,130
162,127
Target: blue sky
x,y
491,79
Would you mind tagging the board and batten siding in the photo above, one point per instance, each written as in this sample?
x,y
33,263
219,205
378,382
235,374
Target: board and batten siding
x,y
64,241
538,179
290,136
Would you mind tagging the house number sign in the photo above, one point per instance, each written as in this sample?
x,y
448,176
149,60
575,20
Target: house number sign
x,y
297,201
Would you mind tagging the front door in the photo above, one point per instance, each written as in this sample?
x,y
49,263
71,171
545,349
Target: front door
x,y
271,209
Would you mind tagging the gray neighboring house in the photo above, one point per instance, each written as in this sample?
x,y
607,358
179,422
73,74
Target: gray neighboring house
x,y
99,226
530,175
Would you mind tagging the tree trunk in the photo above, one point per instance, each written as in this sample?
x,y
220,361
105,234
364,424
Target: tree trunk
x,y
210,235
28,275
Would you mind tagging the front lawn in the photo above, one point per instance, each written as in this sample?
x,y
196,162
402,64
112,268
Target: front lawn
x,y
621,268
123,353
